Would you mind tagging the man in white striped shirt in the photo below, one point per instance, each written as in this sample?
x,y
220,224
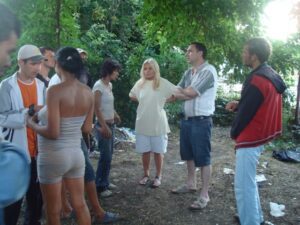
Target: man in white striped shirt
x,y
197,89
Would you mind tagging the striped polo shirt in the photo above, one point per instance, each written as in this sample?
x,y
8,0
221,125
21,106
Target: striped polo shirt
x,y
204,82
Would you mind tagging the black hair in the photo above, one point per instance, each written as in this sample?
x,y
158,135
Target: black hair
x,y
108,67
200,47
69,60
44,49
259,47
8,23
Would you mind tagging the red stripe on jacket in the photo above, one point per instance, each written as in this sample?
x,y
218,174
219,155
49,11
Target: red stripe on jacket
x,y
266,124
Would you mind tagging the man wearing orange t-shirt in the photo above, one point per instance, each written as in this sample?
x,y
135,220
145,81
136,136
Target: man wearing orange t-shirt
x,y
18,94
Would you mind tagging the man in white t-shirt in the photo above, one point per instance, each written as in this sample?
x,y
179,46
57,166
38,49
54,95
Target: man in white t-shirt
x,y
197,89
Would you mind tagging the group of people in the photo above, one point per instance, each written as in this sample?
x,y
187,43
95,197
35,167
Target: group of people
x,y
49,121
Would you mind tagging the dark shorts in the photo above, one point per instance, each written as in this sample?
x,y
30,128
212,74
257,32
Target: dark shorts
x,y
89,173
195,135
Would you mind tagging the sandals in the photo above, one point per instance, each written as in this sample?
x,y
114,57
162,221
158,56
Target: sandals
x,y
156,183
199,204
183,189
144,180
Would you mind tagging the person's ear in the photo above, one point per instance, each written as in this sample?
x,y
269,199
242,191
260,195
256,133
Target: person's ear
x,y
21,62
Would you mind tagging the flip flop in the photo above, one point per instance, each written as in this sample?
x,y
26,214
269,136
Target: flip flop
x,y
156,183
109,217
183,189
144,180
199,204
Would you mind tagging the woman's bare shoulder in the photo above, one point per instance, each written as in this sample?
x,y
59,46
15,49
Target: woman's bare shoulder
x,y
86,90
54,90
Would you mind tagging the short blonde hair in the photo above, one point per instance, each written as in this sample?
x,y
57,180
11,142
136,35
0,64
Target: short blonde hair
x,y
153,63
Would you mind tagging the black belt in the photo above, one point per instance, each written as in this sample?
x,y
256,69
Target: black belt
x,y
196,117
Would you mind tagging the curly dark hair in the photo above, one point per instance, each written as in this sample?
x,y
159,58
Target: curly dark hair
x,y
108,67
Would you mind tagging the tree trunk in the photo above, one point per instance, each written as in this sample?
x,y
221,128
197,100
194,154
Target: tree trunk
x,y
297,111
57,18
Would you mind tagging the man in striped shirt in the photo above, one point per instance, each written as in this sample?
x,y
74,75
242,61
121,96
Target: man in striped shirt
x,y
197,89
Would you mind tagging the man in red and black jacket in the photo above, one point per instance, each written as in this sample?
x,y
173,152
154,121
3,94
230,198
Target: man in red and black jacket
x,y
258,121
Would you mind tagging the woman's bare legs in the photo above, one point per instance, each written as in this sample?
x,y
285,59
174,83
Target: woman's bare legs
x,y
66,207
75,187
159,159
52,202
90,189
146,163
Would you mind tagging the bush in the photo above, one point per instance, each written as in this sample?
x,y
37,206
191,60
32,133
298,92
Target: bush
x,y
290,138
173,110
222,117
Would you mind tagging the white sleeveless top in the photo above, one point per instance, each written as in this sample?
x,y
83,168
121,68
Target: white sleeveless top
x,y
69,137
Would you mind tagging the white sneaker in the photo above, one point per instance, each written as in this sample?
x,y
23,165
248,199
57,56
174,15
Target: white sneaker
x,y
112,186
94,154
106,193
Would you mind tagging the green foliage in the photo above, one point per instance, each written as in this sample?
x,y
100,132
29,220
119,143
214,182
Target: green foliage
x,y
290,138
39,22
286,57
100,44
173,110
132,30
222,117
222,25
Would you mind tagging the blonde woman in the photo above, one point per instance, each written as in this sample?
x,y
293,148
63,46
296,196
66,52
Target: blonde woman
x,y
151,92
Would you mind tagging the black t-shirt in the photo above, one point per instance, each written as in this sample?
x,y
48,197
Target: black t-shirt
x,y
41,78
85,77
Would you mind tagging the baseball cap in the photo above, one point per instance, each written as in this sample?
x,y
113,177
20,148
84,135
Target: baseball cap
x,y
30,52
80,50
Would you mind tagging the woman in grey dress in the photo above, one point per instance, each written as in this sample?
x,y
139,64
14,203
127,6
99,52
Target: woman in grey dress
x,y
69,112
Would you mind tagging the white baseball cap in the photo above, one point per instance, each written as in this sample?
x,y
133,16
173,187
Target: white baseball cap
x,y
80,50
30,52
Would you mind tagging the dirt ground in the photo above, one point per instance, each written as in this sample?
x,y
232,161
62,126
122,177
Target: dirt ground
x,y
146,206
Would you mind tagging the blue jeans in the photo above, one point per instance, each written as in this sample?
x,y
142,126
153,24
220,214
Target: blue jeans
x,y
1,217
89,174
106,151
245,186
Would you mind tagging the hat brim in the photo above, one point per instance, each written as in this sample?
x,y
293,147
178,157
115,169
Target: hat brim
x,y
80,50
37,58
